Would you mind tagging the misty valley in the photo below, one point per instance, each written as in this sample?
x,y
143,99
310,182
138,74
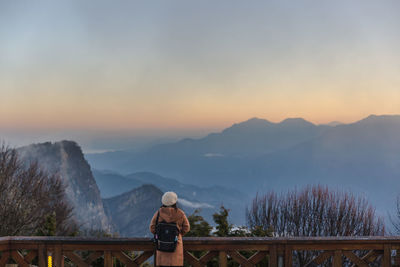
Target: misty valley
x,y
118,192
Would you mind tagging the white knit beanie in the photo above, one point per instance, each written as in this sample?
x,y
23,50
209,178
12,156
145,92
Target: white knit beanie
x,y
169,199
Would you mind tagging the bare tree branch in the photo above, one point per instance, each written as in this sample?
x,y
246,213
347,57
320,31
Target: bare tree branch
x,y
28,195
314,211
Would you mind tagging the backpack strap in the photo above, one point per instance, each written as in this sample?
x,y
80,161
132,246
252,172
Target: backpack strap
x,y
158,215
155,240
155,235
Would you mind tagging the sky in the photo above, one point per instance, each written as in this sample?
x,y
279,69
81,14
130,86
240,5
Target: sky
x,y
114,70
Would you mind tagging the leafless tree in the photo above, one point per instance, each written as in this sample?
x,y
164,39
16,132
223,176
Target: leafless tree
x,y
314,211
28,195
395,220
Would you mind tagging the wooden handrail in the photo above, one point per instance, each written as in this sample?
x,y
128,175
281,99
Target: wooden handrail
x,y
360,251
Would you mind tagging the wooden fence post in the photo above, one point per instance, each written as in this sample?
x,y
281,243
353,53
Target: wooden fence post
x,y
337,258
223,261
58,256
387,256
288,256
42,256
273,256
108,262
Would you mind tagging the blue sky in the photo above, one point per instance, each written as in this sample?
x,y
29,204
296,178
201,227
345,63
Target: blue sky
x,y
144,67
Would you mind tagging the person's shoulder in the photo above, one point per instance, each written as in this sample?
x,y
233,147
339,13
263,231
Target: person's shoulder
x,y
156,212
180,212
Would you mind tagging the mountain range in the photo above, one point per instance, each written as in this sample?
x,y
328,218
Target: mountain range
x,y
132,211
191,197
127,214
121,204
258,156
119,191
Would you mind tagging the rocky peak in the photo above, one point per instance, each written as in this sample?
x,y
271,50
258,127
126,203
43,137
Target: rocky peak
x,y
132,211
66,159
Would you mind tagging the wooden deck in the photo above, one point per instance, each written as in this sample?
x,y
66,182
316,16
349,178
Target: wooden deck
x,y
335,251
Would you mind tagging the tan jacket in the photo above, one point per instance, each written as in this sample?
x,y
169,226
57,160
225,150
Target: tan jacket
x,y
169,215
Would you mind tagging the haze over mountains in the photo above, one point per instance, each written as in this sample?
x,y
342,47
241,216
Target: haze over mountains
x,y
207,198
258,155
119,190
127,214
187,158
122,204
132,211
65,158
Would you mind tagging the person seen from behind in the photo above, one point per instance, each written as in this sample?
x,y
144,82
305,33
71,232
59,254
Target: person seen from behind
x,y
169,219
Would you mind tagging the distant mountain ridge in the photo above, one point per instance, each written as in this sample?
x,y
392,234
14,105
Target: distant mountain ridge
x,y
258,155
251,157
131,212
112,184
207,199
129,201
128,214
251,138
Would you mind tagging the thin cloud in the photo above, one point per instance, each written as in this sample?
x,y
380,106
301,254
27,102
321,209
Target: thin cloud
x,y
194,205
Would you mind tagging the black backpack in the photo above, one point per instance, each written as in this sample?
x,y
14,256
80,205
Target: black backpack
x,y
166,236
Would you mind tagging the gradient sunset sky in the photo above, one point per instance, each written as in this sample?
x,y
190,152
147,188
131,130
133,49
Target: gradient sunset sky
x,y
148,66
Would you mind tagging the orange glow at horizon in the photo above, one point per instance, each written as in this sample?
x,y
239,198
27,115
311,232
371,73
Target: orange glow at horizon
x,y
194,113
152,68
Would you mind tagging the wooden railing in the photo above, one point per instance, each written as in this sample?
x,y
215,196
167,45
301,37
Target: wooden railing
x,y
82,252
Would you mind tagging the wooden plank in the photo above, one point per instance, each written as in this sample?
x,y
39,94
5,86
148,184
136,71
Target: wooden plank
x,y
42,255
222,244
244,241
321,258
337,258
372,255
66,239
19,259
337,246
257,257
4,247
109,247
143,257
30,256
387,254
354,259
192,260
288,256
75,259
93,256
376,244
208,256
234,245
222,259
221,247
128,261
273,257
5,256
239,258
108,261
58,256
23,246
